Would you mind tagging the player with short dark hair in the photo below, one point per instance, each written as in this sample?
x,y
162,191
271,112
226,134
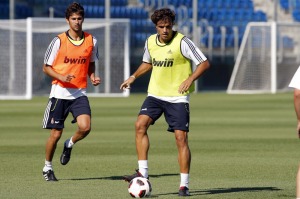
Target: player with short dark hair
x,y
69,60
169,55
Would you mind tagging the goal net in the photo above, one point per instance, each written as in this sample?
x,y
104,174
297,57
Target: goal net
x,y
24,42
267,60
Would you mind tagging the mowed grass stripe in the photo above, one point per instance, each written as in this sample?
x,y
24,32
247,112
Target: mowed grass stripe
x,y
243,146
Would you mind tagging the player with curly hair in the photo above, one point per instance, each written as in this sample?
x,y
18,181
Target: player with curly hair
x,y
169,55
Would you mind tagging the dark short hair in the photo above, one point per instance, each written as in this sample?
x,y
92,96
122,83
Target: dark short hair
x,y
74,8
163,14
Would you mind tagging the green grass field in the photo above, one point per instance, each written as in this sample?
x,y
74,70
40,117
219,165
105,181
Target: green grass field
x,y
243,146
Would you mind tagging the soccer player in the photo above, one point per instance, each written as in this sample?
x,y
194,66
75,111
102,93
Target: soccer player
x,y
295,83
169,55
69,60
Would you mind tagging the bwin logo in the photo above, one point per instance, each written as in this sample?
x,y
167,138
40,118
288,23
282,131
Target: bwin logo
x,y
79,60
165,63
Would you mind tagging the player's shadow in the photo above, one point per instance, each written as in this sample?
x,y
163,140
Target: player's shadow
x,y
224,190
120,177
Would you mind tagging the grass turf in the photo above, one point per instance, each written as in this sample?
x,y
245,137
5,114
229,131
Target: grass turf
x,y
243,146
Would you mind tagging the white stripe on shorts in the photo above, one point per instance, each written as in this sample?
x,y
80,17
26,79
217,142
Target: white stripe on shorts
x,y
46,114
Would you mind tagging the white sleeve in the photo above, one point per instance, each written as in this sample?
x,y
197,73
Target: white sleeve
x,y
146,56
95,55
52,51
295,82
191,51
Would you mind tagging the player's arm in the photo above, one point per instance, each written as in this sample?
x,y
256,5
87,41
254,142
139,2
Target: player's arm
x,y
192,52
142,69
201,68
50,72
95,80
297,108
91,72
49,58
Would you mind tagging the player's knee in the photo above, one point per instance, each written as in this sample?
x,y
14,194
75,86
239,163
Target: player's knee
x,y
84,129
140,127
297,93
55,134
181,140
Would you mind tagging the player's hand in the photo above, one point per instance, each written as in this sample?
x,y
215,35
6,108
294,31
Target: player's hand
x,y
126,83
184,87
95,81
67,78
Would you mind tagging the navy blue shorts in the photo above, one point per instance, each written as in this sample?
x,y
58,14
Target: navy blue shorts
x,y
177,115
57,111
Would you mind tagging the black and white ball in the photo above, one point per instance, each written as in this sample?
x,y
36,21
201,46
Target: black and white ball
x,y
139,187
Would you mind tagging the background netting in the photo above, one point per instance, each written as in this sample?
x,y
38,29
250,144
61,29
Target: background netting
x,y
14,54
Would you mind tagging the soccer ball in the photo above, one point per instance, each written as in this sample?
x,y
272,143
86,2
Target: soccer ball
x,y
139,187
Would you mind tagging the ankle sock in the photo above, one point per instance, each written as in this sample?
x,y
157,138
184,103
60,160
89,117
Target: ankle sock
x,y
143,167
70,144
48,166
184,180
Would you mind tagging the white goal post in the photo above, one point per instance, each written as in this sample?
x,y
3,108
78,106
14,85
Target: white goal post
x,y
268,57
24,42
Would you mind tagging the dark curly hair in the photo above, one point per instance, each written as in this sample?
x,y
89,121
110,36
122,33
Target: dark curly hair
x,y
74,8
165,14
